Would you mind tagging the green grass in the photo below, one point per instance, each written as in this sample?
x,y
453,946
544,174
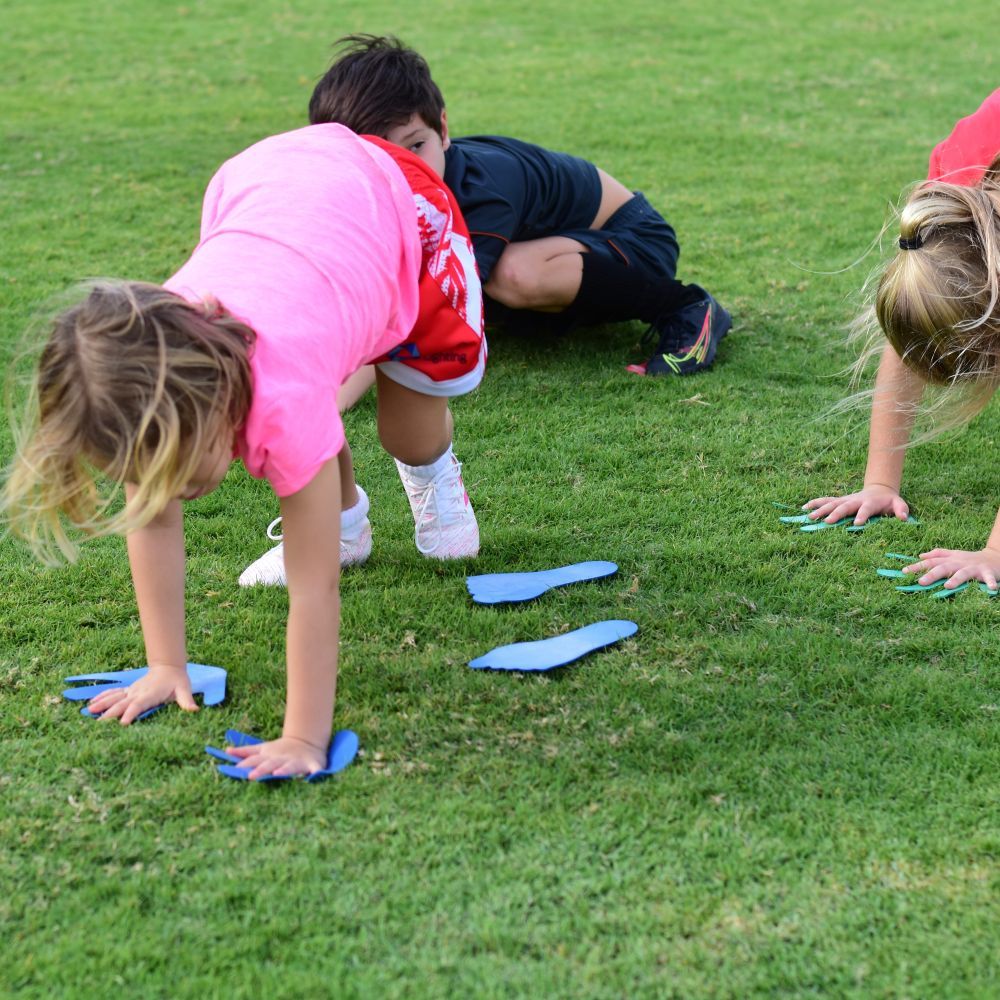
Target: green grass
x,y
784,785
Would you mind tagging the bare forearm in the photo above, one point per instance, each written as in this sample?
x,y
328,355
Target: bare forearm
x,y
897,393
156,558
313,629
994,540
312,564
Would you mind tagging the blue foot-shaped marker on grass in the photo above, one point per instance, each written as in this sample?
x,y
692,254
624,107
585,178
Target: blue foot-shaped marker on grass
x,y
343,749
546,654
917,588
496,588
205,680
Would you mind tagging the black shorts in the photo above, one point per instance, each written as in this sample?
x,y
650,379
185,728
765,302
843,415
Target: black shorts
x,y
637,235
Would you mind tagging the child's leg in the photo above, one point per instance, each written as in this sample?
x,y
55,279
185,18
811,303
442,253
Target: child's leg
x,y
416,429
413,427
355,531
543,275
355,387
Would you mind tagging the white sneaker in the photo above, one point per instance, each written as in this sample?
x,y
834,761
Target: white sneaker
x,y
445,522
269,569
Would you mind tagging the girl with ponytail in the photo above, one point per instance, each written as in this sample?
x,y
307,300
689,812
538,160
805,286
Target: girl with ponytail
x,y
936,320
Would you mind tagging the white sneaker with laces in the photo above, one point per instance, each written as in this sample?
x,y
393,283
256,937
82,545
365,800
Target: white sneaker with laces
x,y
269,569
445,522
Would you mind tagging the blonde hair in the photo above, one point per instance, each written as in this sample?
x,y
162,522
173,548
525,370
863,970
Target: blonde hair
x,y
133,383
938,304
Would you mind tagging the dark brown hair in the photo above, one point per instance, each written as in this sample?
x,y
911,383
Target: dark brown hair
x,y
375,84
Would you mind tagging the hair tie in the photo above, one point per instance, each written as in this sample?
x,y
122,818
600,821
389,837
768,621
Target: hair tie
x,y
911,243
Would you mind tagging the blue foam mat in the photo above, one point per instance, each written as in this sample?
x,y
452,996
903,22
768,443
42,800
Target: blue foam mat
x,y
210,682
498,588
546,654
343,749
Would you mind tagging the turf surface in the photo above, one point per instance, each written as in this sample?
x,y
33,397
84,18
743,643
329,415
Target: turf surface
x,y
784,785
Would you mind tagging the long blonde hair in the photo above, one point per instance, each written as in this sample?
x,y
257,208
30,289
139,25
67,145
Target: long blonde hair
x,y
938,301
135,384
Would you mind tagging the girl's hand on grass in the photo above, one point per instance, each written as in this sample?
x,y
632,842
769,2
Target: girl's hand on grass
x,y
862,505
162,684
284,758
958,566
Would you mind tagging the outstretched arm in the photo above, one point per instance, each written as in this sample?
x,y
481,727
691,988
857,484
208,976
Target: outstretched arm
x,y
897,393
156,557
311,528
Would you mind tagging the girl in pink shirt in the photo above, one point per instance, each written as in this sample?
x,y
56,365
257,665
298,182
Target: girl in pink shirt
x,y
938,306
320,252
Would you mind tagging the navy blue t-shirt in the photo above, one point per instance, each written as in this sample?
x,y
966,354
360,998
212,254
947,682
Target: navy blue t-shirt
x,y
510,191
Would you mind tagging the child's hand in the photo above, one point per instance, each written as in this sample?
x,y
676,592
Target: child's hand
x,y
958,566
862,505
284,758
161,684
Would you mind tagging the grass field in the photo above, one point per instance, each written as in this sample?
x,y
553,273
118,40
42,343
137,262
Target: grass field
x,y
785,785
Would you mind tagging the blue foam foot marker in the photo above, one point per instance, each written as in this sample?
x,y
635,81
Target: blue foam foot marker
x,y
496,588
207,681
557,651
343,749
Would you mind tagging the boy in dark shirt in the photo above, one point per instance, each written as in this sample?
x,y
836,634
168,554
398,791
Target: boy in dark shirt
x,y
552,233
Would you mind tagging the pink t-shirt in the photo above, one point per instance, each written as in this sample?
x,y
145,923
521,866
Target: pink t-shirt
x,y
974,142
311,239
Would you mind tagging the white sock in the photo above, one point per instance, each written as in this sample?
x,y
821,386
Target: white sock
x,y
425,473
353,518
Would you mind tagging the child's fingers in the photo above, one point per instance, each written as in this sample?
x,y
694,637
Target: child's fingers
x,y
864,512
966,573
279,767
958,577
103,701
819,508
133,710
845,509
112,711
934,573
185,699
900,508
823,510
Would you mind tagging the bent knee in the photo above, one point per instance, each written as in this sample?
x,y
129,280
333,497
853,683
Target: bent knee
x,y
516,283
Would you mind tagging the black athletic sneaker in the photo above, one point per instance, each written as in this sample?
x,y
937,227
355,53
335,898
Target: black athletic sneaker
x,y
689,339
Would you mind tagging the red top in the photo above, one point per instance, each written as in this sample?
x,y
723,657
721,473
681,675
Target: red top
x,y
974,142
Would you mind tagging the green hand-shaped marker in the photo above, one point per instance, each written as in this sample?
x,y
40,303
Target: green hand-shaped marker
x,y
916,588
808,524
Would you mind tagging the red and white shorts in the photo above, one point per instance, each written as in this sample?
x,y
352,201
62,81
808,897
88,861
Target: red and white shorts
x,y
445,354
